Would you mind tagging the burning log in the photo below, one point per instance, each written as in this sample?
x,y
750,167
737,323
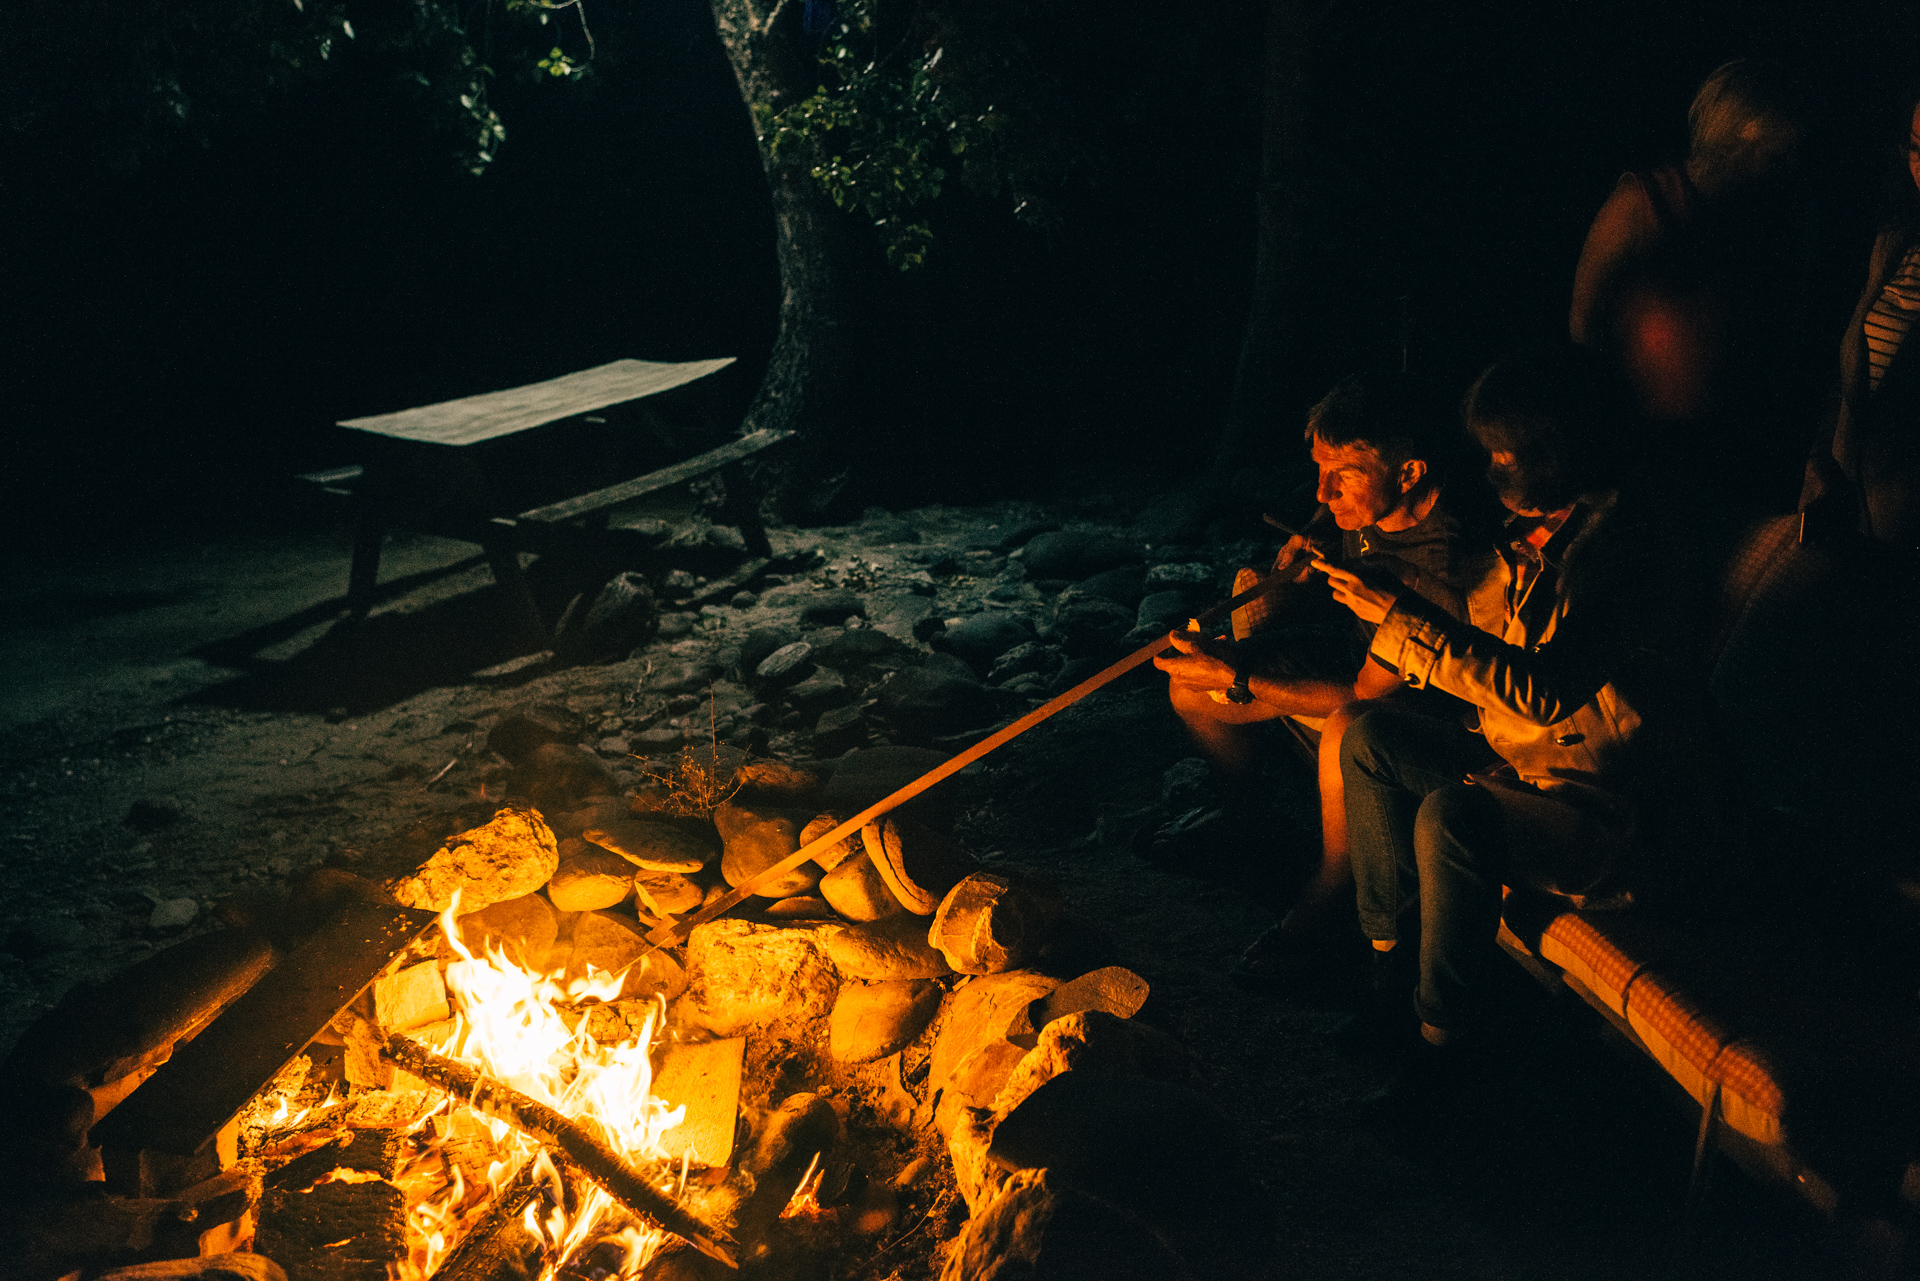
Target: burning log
x,y
594,1158
498,1243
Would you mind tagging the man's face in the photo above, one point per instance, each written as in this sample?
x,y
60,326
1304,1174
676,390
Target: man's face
x,y
1511,482
1355,484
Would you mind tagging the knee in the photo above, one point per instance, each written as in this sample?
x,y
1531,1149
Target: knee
x,y
1190,704
1457,824
1367,732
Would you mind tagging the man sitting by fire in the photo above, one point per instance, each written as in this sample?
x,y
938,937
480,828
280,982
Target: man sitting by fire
x,y
1382,447
1589,753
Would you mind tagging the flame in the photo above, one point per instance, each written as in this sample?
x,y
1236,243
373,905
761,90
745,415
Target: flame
x,y
509,1022
806,1198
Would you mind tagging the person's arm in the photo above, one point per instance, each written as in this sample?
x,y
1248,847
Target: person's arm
x,y
1623,229
1204,663
1427,646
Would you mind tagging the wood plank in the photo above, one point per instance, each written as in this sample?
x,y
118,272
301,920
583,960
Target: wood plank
x,y
183,1106
699,465
704,1078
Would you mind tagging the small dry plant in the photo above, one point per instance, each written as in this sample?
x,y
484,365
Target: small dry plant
x,y
700,784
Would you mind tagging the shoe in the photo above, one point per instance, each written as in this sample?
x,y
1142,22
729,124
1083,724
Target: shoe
x,y
1280,958
1384,1026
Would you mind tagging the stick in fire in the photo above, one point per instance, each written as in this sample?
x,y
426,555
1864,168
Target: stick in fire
x,y
594,1158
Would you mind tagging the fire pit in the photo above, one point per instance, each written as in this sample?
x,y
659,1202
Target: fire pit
x,y
896,1062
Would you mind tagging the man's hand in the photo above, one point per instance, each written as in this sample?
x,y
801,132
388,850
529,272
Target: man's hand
x,y
1371,604
1290,566
1294,561
1202,663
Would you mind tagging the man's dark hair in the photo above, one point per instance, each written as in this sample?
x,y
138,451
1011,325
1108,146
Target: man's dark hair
x,y
1393,414
1559,411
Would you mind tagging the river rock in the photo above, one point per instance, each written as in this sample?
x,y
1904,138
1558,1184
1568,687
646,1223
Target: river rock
x,y
801,907
788,665
873,773
977,1014
984,925
893,948
1095,1041
1123,586
666,893
623,615
756,839
1077,554
802,1125
522,728
919,863
839,852
761,642
570,823
1032,658
1191,576
523,929
860,647
840,729
979,640
928,702
512,855
775,782
1040,1225
830,609
1090,626
657,847
561,776
744,976
872,1020
856,890
824,689
1163,611
609,943
589,878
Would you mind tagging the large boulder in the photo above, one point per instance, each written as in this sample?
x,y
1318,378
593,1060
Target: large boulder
x,y
744,976
512,855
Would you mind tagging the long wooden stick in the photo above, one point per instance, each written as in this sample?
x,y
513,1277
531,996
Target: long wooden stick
x,y
596,1160
671,934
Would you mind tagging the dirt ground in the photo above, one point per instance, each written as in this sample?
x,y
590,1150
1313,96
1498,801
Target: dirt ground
x,y
178,728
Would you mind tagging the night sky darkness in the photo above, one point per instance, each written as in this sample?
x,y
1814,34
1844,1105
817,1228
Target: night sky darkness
x,y
177,340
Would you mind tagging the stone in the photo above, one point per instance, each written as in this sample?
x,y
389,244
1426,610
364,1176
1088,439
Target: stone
x,y
1163,611
1040,1225
839,730
560,776
857,648
830,609
969,1135
928,627
685,675
1076,670
610,943
873,773
979,640
522,728
918,862
856,890
523,929
704,1078
622,615
512,855
658,738
924,703
776,782
1190,576
743,600
666,893
824,689
1123,586
839,852
1129,1139
745,977
872,1020
891,948
801,907
1089,626
1113,989
788,665
1032,658
1095,1041
977,1014
802,1126
756,838
173,914
613,745
150,814
567,824
589,878
656,846
983,925
1077,554
411,998
760,643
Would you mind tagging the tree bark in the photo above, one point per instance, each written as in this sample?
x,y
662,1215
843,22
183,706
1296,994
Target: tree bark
x,y
805,387
1268,364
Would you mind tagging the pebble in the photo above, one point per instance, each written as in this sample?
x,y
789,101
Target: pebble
x,y
1192,575
787,665
980,640
832,608
174,914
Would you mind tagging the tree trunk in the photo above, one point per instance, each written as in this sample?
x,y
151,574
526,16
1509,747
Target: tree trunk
x,y
1269,346
805,387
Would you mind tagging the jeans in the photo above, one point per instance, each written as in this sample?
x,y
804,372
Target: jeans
x,y
1429,851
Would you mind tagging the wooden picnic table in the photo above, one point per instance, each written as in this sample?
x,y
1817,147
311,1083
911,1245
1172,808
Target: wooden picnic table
x,y
422,471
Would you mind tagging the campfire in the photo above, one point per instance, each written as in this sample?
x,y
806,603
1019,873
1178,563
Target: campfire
x,y
893,1061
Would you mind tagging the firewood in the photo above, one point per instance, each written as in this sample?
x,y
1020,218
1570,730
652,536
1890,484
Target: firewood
x,y
595,1159
498,1244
